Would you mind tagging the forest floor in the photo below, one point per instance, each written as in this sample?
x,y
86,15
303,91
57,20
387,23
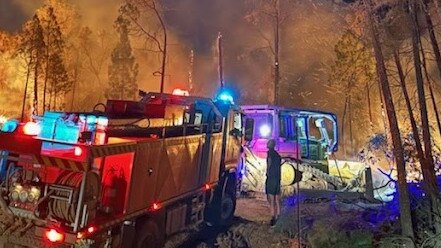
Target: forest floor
x,y
251,228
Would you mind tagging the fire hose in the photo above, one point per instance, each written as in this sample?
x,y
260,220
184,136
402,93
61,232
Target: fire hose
x,y
64,210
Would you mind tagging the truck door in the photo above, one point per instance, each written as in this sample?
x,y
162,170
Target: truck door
x,y
144,183
234,138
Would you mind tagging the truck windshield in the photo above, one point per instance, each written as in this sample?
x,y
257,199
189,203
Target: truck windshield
x,y
263,125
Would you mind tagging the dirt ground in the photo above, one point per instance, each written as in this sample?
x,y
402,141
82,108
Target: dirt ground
x,y
250,228
251,225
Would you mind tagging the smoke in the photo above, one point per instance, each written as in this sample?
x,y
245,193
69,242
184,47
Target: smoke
x,y
13,13
306,46
307,42
95,13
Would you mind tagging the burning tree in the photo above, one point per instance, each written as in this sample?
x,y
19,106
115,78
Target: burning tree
x,y
123,70
57,81
405,218
268,17
149,23
384,19
32,47
353,76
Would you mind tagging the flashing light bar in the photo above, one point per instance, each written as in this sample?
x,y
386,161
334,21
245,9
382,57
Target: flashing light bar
x,y
180,92
78,151
9,126
225,97
31,128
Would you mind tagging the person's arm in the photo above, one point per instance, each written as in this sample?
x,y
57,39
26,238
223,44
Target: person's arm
x,y
268,163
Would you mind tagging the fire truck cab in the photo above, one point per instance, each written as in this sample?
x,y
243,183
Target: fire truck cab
x,y
128,174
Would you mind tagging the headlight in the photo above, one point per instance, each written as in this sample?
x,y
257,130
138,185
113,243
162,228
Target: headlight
x,y
14,195
15,192
31,197
23,196
265,130
34,194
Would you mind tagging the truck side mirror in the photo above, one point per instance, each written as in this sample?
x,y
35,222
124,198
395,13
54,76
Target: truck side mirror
x,y
249,129
235,132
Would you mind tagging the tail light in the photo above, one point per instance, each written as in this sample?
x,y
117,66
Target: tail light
x,y
54,236
31,128
91,229
156,206
207,186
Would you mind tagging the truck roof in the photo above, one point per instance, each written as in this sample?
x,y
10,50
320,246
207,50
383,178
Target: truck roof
x,y
280,108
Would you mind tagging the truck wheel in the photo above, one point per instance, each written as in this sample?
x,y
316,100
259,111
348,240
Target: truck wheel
x,y
227,208
221,211
148,236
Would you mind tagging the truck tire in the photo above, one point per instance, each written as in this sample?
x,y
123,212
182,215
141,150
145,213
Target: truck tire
x,y
227,209
220,211
148,235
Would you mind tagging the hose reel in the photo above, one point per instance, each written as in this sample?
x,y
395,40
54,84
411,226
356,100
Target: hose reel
x,y
65,196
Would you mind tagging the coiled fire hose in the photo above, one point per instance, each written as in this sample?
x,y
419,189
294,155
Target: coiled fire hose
x,y
65,211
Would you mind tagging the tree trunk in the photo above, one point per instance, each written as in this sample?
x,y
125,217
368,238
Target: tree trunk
x,y
413,123
164,58
50,100
343,121
437,53
428,167
220,61
26,90
35,104
416,134
435,107
54,96
371,119
405,217
430,82
276,55
433,39
45,86
351,137
438,9
164,46
190,72
75,81
46,73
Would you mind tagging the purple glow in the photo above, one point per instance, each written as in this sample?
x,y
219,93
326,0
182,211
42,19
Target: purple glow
x,y
265,130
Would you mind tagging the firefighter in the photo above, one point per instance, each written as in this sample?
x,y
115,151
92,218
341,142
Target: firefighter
x,y
272,184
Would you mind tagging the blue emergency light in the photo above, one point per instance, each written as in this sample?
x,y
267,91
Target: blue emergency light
x,y
226,96
9,126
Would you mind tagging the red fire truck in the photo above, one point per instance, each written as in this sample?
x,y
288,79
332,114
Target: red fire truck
x,y
128,174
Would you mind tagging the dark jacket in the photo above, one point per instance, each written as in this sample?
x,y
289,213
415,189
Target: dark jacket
x,y
273,161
